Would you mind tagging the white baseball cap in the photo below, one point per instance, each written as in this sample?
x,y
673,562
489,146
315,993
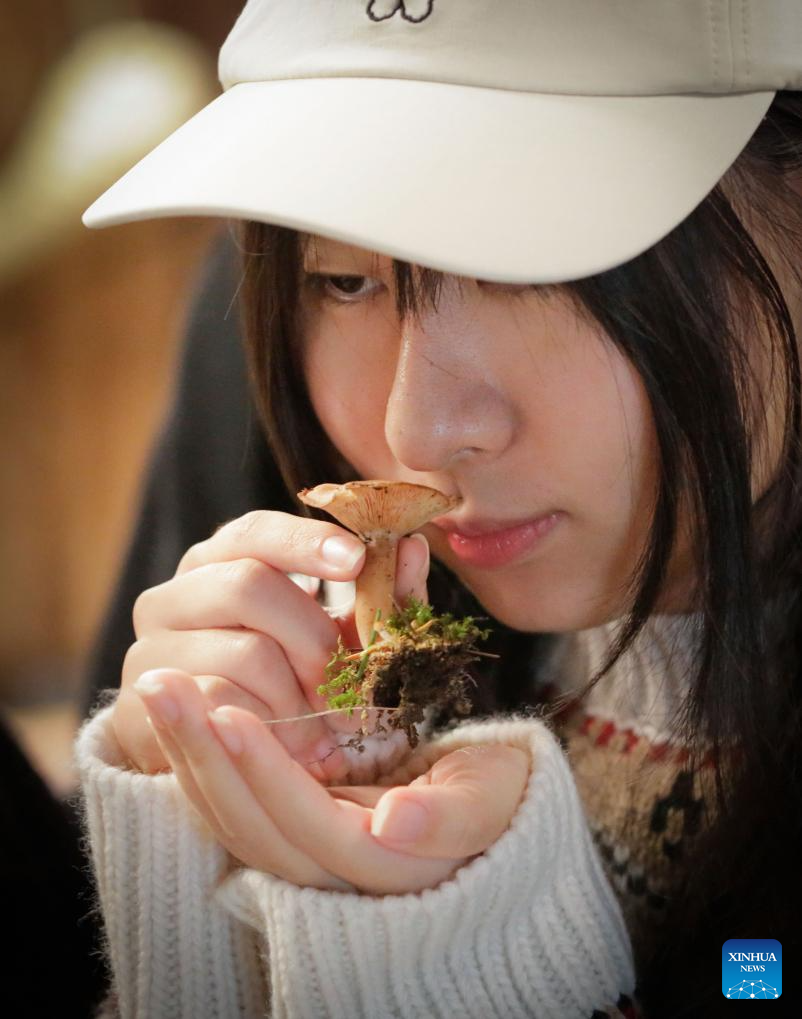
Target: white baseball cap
x,y
511,140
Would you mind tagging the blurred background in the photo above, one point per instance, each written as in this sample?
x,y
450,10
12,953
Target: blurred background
x,y
90,322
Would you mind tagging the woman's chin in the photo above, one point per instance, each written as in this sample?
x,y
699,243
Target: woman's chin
x,y
538,613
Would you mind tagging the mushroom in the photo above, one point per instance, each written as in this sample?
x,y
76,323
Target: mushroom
x,y
380,513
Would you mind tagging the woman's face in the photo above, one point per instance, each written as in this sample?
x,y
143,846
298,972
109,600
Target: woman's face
x,y
504,397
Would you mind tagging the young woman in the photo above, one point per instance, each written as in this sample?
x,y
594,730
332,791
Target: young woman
x,y
619,416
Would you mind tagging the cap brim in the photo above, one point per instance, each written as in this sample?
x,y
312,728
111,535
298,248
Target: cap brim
x,y
485,183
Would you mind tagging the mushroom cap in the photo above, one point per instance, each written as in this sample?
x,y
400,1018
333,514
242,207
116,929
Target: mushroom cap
x,y
375,508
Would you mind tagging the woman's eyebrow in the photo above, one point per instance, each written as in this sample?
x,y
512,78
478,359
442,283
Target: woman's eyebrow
x,y
329,247
342,257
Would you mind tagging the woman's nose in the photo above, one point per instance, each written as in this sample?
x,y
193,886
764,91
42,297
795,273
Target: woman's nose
x,y
447,401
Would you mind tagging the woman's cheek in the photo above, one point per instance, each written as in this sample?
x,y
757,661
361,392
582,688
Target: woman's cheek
x,y
346,392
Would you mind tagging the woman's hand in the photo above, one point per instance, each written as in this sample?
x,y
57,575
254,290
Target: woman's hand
x,y
271,815
232,618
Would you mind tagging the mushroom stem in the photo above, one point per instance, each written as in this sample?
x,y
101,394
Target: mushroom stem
x,y
375,586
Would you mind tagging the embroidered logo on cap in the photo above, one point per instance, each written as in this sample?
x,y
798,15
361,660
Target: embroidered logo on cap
x,y
411,10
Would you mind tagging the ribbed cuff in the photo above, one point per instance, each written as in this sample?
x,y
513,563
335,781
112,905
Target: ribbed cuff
x,y
175,953
531,927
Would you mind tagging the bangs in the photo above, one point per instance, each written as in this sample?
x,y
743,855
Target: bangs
x,y
417,288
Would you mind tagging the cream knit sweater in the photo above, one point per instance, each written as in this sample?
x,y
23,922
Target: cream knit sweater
x,y
530,928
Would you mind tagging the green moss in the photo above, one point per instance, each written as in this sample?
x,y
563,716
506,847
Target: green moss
x,y
343,686
412,619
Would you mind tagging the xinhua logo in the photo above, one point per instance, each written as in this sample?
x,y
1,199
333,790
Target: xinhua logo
x,y
752,968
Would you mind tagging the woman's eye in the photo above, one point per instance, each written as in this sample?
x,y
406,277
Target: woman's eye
x,y
345,289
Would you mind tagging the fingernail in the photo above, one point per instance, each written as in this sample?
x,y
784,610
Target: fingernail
x,y
226,731
399,822
417,536
159,705
344,553
424,570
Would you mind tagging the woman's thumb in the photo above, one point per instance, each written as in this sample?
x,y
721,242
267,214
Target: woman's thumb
x,y
457,809
412,569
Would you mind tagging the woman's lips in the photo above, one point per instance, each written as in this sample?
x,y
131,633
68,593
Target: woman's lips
x,y
490,548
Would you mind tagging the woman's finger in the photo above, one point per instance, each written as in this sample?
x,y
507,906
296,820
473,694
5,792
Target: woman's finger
x,y
289,543
310,742
364,795
244,594
213,784
247,664
412,569
136,738
460,807
333,832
